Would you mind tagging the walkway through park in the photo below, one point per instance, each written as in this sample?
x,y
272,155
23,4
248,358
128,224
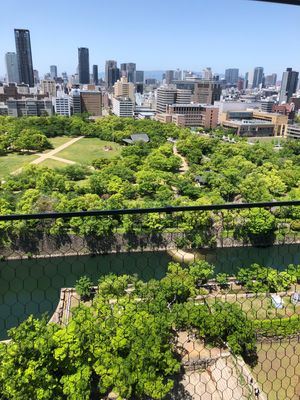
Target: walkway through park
x,y
184,166
51,155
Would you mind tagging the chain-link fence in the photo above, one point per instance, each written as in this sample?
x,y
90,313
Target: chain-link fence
x,y
197,302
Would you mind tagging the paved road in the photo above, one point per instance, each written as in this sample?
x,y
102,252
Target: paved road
x,y
51,155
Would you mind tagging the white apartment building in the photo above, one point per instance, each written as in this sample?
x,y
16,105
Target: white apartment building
x,y
62,105
123,106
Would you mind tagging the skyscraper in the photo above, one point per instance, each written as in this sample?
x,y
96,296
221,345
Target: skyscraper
x,y
288,85
24,56
270,80
112,73
12,67
256,78
169,77
232,76
53,71
139,76
207,73
129,70
95,74
83,65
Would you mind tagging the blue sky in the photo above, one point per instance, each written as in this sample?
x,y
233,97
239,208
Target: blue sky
x,y
156,34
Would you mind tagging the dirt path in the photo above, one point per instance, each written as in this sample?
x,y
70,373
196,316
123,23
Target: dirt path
x,y
184,166
51,155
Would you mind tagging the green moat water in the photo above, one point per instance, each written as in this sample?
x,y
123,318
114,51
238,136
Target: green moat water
x,y
32,286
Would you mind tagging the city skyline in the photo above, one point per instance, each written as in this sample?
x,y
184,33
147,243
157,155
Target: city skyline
x,y
232,43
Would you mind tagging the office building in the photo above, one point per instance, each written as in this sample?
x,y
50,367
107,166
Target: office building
x,y
11,90
166,95
139,76
62,105
48,87
123,106
23,89
112,73
12,68
190,115
24,56
293,131
256,78
65,77
296,102
129,70
236,105
29,107
83,65
270,80
123,88
95,75
288,85
36,77
255,123
207,74
75,101
169,77
232,76
91,102
206,92
183,96
203,91
267,105
53,71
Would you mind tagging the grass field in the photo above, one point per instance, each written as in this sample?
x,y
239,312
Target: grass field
x,y
261,307
59,140
87,149
12,162
53,164
278,369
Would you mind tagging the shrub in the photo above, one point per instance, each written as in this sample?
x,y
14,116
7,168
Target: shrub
x,y
83,287
295,225
222,280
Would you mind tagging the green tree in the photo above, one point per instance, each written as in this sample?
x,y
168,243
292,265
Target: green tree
x,y
83,287
258,225
31,139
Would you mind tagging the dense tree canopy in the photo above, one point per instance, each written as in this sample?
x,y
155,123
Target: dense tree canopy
x,y
124,342
148,175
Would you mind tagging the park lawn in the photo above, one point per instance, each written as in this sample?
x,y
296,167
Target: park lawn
x,y
59,140
56,142
53,164
88,149
260,307
278,369
14,161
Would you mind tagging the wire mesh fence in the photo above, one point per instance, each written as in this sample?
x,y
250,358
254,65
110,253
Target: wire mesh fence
x,y
197,302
